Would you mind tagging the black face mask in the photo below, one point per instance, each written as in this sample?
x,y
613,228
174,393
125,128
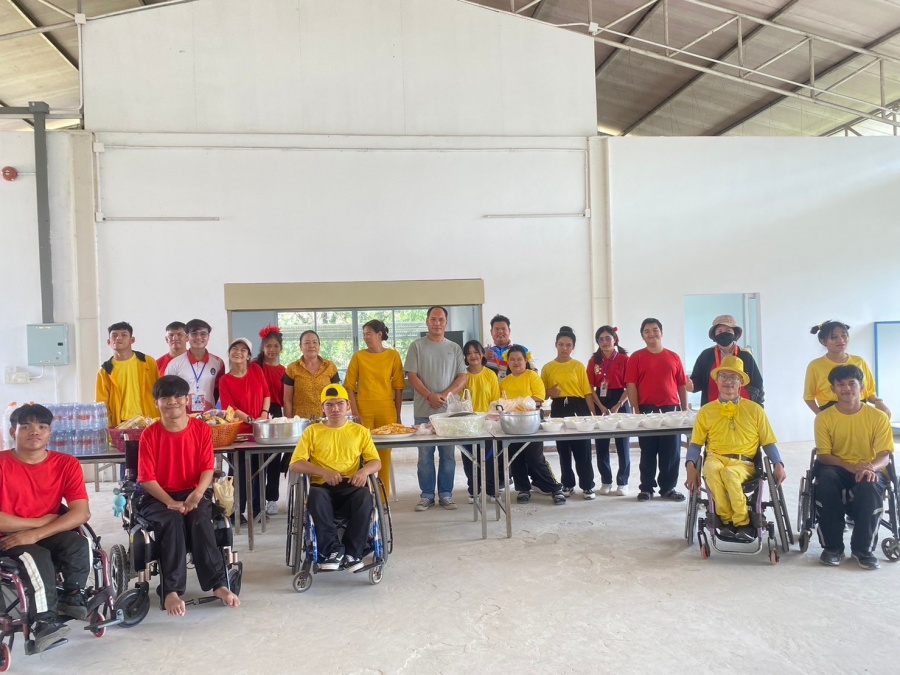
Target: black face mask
x,y
724,339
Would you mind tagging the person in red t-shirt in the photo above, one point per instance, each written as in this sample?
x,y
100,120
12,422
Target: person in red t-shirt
x,y
175,469
244,388
269,359
654,380
33,485
176,338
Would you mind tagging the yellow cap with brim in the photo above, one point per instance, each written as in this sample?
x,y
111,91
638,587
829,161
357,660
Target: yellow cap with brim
x,y
334,392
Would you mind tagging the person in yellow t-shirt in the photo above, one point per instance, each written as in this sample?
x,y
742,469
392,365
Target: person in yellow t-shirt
x,y
817,391
125,382
732,429
522,382
331,452
484,388
567,384
854,443
375,384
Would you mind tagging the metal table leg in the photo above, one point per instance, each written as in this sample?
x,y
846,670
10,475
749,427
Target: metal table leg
x,y
248,486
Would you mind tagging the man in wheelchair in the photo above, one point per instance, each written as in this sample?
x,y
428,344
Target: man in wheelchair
x,y
36,533
732,429
175,469
853,448
331,453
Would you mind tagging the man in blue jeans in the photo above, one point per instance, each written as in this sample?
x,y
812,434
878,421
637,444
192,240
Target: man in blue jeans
x,y
436,368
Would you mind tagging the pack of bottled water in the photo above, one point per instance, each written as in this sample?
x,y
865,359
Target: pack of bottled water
x,y
79,428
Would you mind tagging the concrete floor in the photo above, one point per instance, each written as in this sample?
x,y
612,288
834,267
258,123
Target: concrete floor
x,y
601,586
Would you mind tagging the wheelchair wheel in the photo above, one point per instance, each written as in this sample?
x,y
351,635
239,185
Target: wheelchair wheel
x,y
376,574
387,525
235,573
782,521
773,551
703,542
5,658
804,538
118,569
97,617
135,604
891,549
690,517
302,581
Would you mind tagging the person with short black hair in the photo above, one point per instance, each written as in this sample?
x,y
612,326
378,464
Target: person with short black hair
x,y
269,359
175,470
200,369
854,443
34,483
339,456
496,353
176,338
655,382
125,381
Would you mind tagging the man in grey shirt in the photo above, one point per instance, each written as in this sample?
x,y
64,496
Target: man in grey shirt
x,y
436,368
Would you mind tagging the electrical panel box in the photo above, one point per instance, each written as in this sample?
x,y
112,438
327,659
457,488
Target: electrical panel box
x,y
48,344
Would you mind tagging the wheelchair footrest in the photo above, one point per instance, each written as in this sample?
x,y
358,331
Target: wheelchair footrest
x,y
202,601
115,621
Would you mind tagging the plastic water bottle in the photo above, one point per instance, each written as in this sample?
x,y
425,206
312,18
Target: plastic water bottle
x,y
7,442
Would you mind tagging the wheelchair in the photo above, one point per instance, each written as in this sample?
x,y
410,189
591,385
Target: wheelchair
x,y
140,559
99,598
302,554
806,511
762,493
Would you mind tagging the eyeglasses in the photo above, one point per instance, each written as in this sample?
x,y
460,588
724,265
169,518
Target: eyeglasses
x,y
199,333
730,378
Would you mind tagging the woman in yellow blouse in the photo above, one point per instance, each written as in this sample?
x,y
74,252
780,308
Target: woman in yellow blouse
x,y
566,381
375,384
522,382
484,388
306,377
817,392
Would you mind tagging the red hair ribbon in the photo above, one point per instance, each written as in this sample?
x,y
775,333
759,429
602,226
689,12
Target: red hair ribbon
x,y
616,328
268,330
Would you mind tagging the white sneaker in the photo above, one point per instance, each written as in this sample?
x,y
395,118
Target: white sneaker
x,y
606,488
589,494
272,508
471,499
621,491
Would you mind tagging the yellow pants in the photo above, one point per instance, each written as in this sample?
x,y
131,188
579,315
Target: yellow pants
x,y
374,414
725,478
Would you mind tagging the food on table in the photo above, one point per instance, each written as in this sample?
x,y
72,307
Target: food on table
x,y
393,429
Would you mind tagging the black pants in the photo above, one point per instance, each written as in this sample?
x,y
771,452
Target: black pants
x,y
468,468
623,445
531,462
242,485
662,451
174,532
834,488
345,500
66,552
579,450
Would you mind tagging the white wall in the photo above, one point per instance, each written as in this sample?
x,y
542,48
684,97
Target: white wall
x,y
369,67
20,298
341,209
810,223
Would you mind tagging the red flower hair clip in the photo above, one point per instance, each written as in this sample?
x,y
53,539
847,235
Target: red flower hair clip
x,y
268,330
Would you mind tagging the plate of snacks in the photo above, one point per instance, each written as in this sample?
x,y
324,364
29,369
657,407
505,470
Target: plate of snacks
x,y
392,432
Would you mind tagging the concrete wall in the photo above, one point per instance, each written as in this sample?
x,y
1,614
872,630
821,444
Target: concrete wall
x,y
370,67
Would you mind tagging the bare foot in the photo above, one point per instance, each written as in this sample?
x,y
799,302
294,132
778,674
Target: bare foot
x,y
226,596
174,604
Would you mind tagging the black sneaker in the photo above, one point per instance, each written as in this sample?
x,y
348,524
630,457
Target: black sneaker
x,y
351,564
673,495
644,496
832,558
559,498
332,562
46,634
72,604
726,531
524,498
865,560
745,533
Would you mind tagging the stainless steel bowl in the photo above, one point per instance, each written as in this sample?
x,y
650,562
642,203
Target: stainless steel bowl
x,y
520,423
279,433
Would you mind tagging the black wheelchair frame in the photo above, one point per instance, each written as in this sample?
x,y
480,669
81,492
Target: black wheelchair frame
x,y
806,512
99,598
301,553
140,559
753,489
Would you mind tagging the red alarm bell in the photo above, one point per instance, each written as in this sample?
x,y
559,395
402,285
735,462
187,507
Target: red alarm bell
x,y
9,173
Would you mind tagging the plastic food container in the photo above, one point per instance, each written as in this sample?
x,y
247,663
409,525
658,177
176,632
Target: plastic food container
x,y
652,421
630,423
279,433
607,424
462,426
674,419
520,423
586,424
552,425
572,421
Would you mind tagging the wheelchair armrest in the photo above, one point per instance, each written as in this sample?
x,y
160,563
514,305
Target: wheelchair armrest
x,y
9,565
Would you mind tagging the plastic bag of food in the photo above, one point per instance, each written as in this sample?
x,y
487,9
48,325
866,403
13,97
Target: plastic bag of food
x,y
526,404
456,404
223,488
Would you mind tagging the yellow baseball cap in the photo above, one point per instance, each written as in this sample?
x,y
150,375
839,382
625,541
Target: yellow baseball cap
x,y
334,392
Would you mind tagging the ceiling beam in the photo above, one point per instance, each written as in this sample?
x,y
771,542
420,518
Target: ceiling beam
x,y
27,121
537,9
778,99
724,55
645,17
49,39
854,122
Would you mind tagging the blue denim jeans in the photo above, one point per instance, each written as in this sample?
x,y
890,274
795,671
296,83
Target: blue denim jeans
x,y
446,468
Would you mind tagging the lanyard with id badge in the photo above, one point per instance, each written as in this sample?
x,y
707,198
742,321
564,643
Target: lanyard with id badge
x,y
198,400
604,380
